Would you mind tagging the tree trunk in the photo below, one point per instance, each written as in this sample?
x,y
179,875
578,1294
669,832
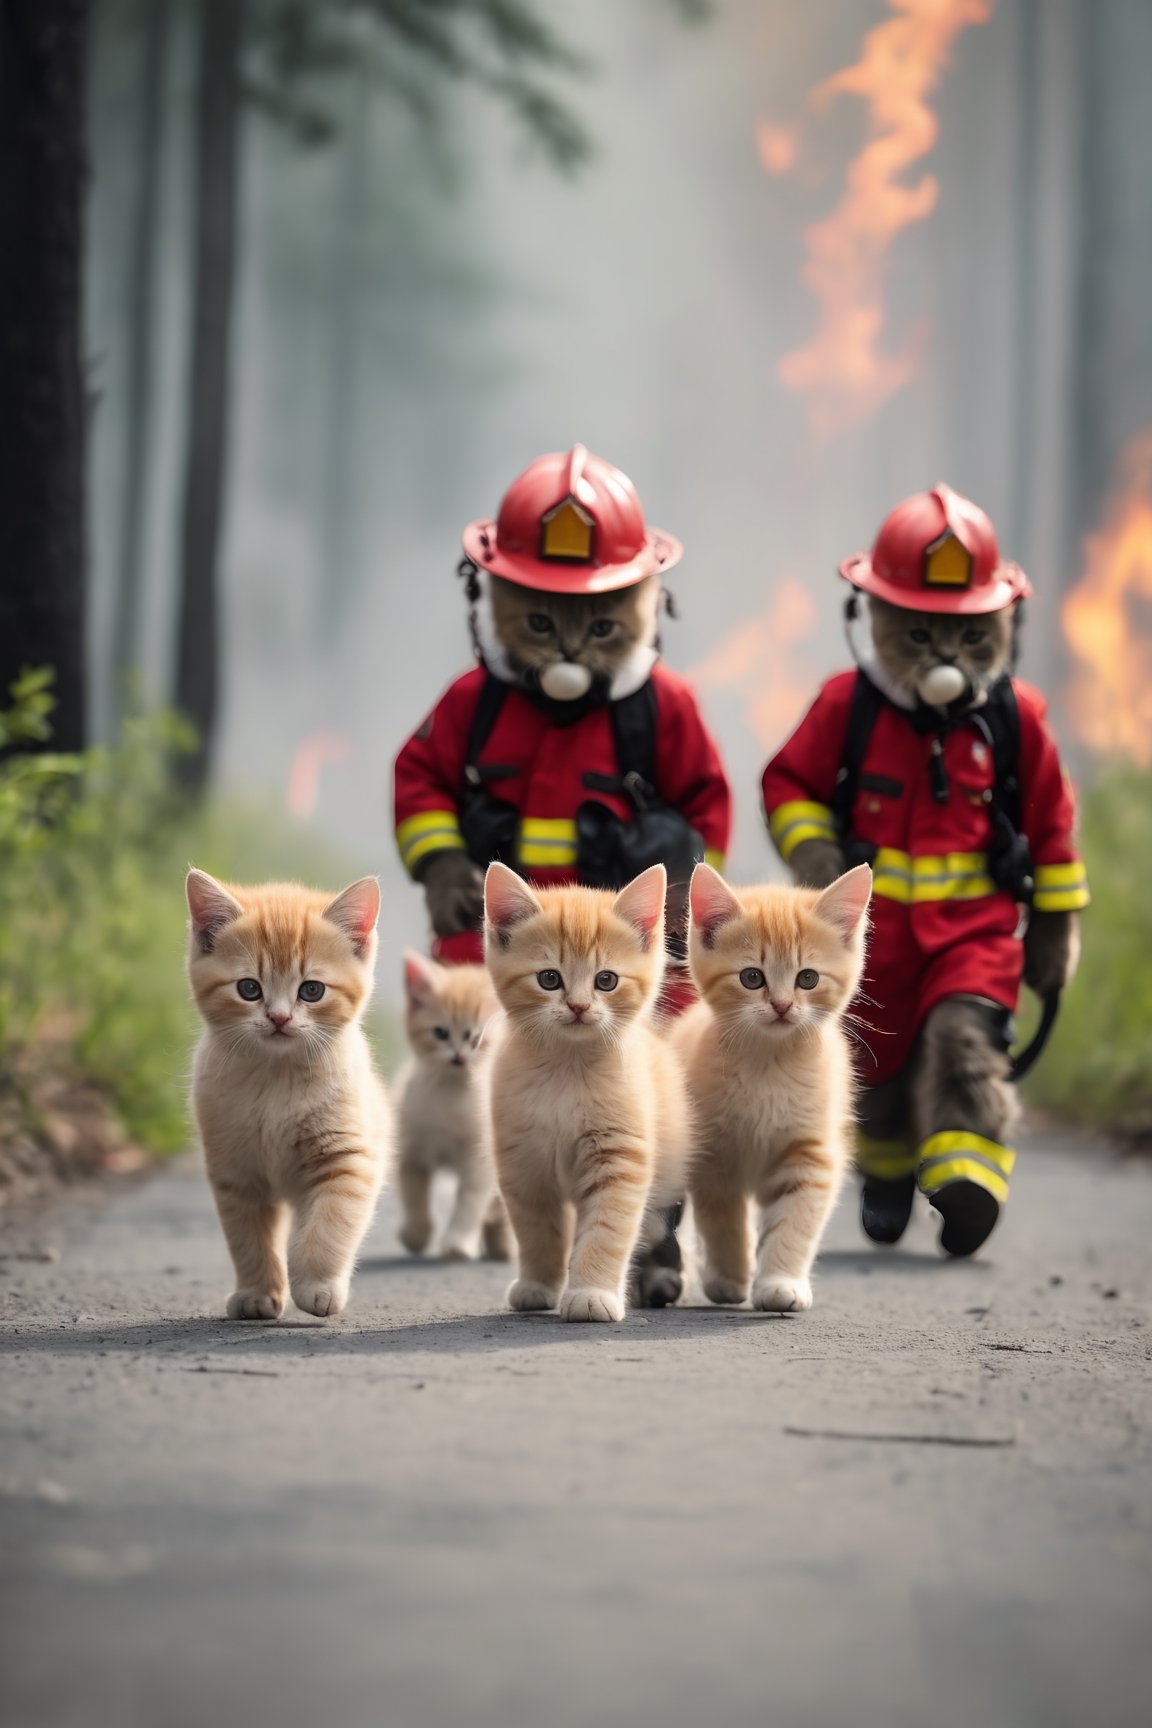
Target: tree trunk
x,y
43,49
206,459
128,632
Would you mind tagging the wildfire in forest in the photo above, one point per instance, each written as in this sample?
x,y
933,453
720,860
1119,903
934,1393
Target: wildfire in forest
x,y
844,369
758,660
319,750
1111,692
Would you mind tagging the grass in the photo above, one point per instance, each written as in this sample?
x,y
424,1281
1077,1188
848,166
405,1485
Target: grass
x,y
93,851
1097,1068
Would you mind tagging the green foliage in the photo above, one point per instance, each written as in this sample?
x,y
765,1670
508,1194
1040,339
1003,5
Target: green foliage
x,y
93,852
1098,1066
413,50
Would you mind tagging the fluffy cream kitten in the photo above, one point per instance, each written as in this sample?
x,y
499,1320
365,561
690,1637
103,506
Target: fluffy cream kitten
x,y
293,1117
770,1075
591,1117
443,1109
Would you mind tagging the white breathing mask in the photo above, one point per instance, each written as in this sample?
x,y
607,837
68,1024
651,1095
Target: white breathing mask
x,y
565,681
941,685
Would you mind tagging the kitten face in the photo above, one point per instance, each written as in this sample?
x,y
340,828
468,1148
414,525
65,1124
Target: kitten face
x,y
598,631
277,969
909,644
448,1008
773,961
574,964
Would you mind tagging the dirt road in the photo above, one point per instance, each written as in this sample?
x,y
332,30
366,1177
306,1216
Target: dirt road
x,y
927,1502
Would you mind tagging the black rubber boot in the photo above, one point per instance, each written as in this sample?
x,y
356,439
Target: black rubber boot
x,y
658,1273
885,1207
969,1213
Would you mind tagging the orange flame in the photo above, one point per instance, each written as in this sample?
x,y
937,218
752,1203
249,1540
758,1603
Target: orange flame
x,y
754,660
844,370
1111,692
318,750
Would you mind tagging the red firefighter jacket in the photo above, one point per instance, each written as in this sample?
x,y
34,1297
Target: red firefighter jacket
x,y
548,783
940,926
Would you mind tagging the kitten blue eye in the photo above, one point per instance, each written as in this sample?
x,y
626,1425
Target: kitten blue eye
x,y
807,979
549,979
607,980
540,622
752,978
311,990
249,990
602,626
442,1033
920,635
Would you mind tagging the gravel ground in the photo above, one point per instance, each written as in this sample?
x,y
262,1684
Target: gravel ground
x,y
927,1501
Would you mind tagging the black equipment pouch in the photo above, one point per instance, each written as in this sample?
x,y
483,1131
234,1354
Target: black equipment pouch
x,y
610,852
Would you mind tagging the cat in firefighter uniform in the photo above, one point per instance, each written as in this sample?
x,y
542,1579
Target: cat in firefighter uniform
x,y
934,764
570,752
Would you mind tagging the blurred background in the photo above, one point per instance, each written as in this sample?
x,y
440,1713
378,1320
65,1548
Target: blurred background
x,y
347,266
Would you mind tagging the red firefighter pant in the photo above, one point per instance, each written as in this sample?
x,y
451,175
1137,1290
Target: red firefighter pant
x,y
903,983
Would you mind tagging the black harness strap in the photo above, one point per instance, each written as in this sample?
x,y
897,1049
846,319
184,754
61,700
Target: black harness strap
x,y
634,730
492,697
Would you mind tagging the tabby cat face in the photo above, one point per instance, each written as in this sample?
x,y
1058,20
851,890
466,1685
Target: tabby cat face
x,y
278,970
574,964
448,1008
598,631
910,644
773,961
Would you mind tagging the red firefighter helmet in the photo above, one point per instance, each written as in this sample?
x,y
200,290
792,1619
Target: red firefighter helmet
x,y
571,524
937,552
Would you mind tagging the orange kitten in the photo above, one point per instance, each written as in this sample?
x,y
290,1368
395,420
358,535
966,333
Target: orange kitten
x,y
443,1109
592,1131
770,1075
292,1115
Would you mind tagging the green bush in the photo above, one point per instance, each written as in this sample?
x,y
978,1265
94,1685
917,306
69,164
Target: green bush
x,y
93,851
1098,1067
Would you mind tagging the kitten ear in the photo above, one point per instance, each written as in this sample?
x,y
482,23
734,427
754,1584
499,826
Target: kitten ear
x,y
211,907
419,978
846,901
355,911
641,904
712,903
508,900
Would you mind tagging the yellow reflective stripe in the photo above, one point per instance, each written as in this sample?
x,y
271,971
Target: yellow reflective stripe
x,y
952,1141
789,824
430,831
546,840
1061,900
962,1170
915,880
886,1159
1061,887
1071,875
716,859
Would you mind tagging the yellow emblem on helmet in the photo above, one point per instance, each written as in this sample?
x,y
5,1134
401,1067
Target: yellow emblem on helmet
x,y
947,564
566,532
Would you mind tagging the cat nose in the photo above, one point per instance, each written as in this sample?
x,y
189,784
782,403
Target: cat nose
x,y
579,1009
781,1004
279,1020
458,1059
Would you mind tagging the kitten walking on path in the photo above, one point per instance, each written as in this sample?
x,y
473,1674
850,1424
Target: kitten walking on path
x,y
591,1118
443,1109
293,1117
770,1076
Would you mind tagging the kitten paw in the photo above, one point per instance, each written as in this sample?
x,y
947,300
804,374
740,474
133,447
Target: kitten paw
x,y
724,1291
415,1237
460,1248
312,1296
529,1298
588,1304
249,1304
782,1295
